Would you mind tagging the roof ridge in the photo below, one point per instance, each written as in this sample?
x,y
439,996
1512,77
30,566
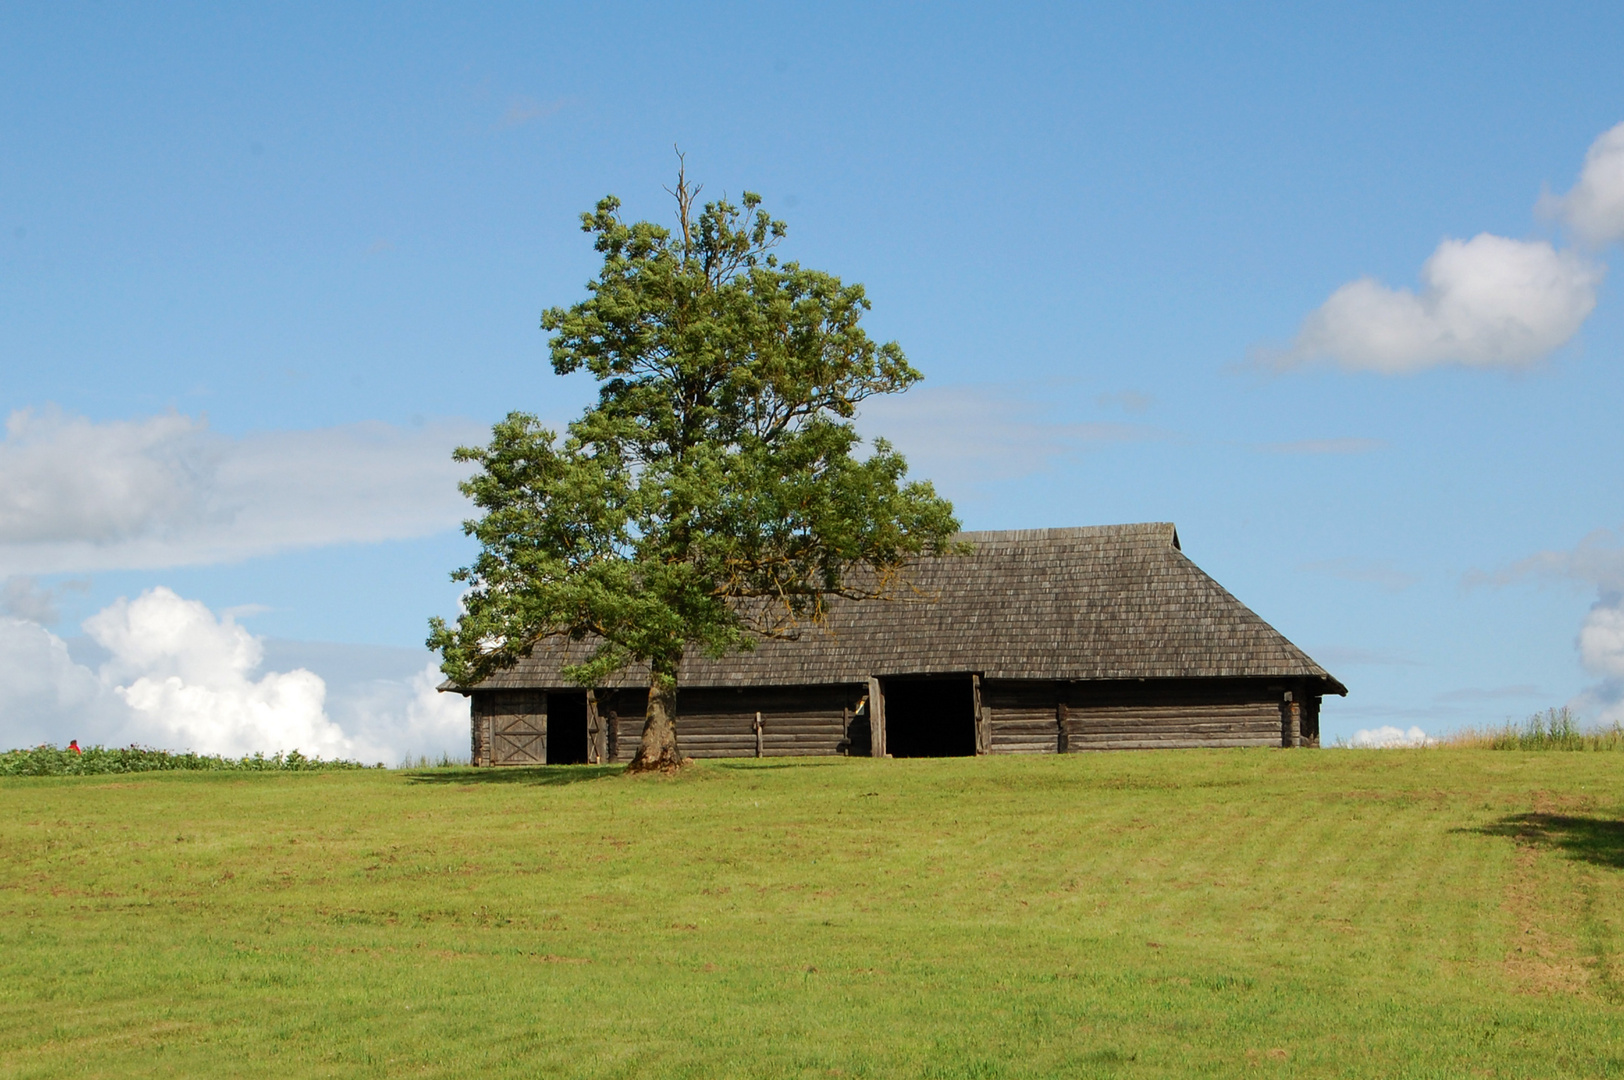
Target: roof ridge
x,y
1164,530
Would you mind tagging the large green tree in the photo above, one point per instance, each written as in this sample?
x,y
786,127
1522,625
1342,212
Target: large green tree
x,y
716,493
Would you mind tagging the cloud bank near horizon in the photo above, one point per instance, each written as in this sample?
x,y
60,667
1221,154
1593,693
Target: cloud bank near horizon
x,y
180,677
1388,738
1488,302
78,495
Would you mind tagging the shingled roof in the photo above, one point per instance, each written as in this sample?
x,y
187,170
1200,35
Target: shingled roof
x,y
1105,602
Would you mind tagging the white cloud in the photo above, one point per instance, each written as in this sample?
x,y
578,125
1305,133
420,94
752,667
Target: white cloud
x,y
1598,559
1380,572
1485,302
1388,738
1601,638
23,597
186,675
166,491
181,677
1602,704
977,434
45,696
1594,209
63,478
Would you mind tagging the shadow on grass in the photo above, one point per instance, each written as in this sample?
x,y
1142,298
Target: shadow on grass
x,y
755,763
1590,839
534,776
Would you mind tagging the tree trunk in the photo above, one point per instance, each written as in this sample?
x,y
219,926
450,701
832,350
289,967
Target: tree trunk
x,y
659,747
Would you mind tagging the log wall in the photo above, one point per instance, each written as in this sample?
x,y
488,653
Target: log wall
x,y
1016,717
795,721
1048,718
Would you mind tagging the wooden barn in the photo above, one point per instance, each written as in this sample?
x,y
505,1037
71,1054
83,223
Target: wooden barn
x,y
1042,641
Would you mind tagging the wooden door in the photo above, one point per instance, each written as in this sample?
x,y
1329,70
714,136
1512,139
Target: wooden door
x,y
519,728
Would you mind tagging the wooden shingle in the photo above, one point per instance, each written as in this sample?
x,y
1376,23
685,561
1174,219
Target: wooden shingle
x,y
1100,603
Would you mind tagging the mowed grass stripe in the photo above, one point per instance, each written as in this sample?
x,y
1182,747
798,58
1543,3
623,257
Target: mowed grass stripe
x,y
1148,914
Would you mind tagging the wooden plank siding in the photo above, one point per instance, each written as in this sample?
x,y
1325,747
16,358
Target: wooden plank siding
x,y
719,723
509,727
1046,717
1022,719
1018,716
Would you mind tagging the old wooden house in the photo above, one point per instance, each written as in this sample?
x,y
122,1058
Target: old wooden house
x,y
1042,641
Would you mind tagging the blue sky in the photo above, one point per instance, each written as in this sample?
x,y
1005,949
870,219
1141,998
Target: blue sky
x,y
261,269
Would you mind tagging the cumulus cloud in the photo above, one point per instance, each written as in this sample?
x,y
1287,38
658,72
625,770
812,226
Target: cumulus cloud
x,y
166,491
187,677
1601,637
23,597
1388,738
1487,302
176,675
1594,209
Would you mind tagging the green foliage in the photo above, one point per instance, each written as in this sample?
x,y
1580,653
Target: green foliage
x,y
1446,913
1553,729
98,760
713,495
423,761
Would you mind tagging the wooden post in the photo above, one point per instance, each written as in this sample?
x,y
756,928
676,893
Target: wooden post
x,y
1062,714
1291,722
479,713
614,736
876,719
594,730
983,728
758,735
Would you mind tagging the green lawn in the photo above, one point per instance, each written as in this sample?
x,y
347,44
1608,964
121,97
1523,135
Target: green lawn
x,y
1172,913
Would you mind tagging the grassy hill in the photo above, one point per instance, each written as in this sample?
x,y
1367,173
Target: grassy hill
x,y
1174,913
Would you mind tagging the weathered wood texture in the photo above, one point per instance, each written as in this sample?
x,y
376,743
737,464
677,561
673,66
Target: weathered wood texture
x,y
1018,717
1047,718
1109,602
510,727
795,721
876,718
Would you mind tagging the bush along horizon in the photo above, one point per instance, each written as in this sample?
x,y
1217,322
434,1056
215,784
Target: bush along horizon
x,y
1553,729
49,760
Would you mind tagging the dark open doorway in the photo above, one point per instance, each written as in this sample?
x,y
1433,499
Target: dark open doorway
x,y
930,717
566,729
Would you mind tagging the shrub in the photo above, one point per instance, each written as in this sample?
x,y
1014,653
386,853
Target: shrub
x,y
48,760
1553,729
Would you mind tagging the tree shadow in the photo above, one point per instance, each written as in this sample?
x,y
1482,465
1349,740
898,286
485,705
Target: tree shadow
x,y
756,763
1590,839
532,776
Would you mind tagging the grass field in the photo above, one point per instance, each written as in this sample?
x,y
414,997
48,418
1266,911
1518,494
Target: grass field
x,y
1174,913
